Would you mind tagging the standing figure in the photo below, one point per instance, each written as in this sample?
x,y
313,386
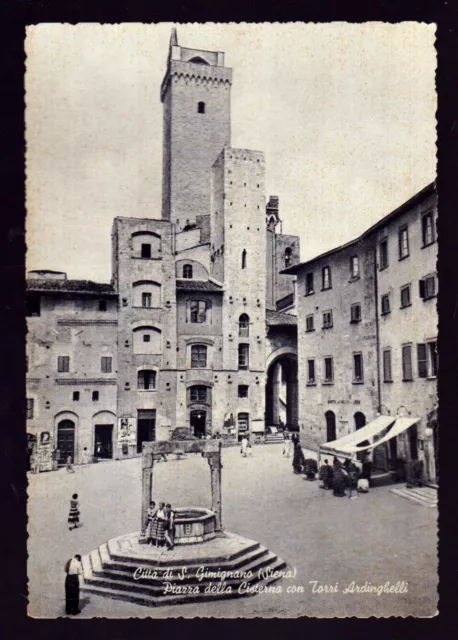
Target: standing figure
x,y
69,465
74,514
295,439
85,457
326,475
151,515
339,480
286,443
157,533
244,447
298,458
74,570
169,531
367,470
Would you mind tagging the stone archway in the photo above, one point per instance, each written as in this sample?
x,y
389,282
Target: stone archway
x,y
281,391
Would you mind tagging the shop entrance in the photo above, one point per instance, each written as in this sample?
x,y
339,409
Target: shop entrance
x,y
146,427
66,441
197,420
103,441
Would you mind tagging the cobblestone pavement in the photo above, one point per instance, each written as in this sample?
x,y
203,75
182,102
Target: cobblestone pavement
x,y
373,538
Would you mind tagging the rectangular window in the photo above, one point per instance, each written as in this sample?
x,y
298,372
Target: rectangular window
x,y
76,396
146,380
428,235
383,254
310,371
146,251
428,287
405,296
146,337
385,304
198,356
198,311
32,304
95,396
63,364
309,323
146,299
358,367
355,312
328,370
309,284
243,391
422,360
244,355
407,362
327,319
29,409
326,278
387,376
433,364
105,365
198,394
354,267
403,242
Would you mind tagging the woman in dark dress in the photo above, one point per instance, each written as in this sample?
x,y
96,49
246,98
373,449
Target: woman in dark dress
x,y
339,479
326,475
74,514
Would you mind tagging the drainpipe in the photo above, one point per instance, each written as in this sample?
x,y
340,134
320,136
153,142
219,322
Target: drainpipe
x,y
377,333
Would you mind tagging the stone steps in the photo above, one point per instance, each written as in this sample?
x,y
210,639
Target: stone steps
x,y
108,571
276,438
127,568
96,576
425,496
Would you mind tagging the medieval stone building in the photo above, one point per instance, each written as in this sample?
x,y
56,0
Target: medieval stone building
x,y
188,332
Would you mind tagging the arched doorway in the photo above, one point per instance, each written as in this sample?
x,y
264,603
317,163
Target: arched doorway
x,y
281,392
360,422
330,426
199,401
66,441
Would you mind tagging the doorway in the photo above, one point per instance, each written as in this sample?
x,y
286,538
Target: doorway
x,y
413,441
243,424
198,419
360,422
66,441
330,426
146,427
103,441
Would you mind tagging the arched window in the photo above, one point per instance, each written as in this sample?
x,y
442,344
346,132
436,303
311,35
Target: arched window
x,y
198,393
244,259
288,256
146,293
187,271
244,325
201,107
146,380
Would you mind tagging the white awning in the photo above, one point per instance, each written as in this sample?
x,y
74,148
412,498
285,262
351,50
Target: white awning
x,y
399,426
347,443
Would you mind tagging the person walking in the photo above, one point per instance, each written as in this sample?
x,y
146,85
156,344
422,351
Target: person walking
x,y
69,465
74,514
244,446
73,569
85,457
286,443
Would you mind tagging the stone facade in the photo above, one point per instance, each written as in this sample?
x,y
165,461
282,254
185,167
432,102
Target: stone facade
x,y
186,323
368,338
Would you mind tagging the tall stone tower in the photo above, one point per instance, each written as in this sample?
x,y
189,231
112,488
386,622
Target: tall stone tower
x,y
195,94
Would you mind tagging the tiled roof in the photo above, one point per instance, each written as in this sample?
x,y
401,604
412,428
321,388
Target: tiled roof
x,y
198,285
278,318
70,286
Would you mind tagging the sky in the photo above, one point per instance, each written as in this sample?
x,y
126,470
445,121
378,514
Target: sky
x,y
345,114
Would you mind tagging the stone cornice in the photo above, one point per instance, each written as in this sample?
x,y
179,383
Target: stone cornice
x,y
85,381
77,322
197,72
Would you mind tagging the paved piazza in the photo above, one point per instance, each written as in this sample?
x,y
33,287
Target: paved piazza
x,y
373,538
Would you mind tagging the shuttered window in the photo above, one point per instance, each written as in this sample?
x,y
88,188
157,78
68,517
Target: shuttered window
x,y
422,361
407,362
387,376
